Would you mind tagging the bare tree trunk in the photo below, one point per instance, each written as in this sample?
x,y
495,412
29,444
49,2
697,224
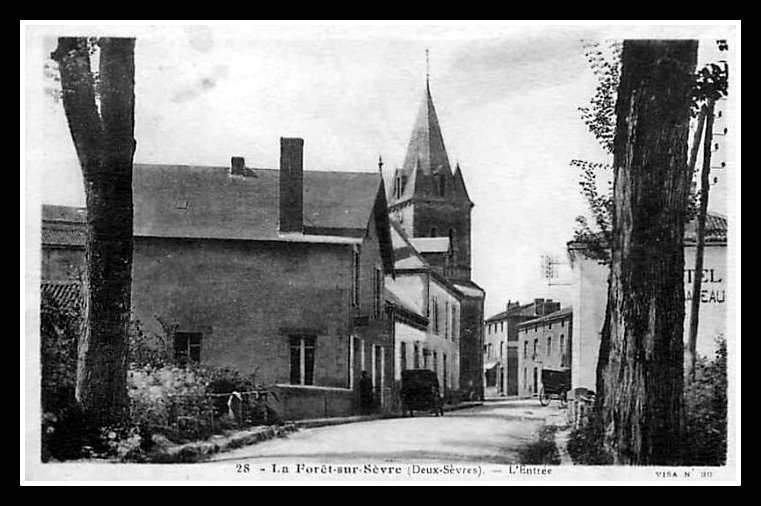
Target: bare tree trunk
x,y
105,146
640,378
705,186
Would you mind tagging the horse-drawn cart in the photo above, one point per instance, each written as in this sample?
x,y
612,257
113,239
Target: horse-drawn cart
x,y
555,385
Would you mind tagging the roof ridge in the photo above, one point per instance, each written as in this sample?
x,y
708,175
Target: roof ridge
x,y
222,167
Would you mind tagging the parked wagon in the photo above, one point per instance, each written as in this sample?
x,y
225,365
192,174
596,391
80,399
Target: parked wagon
x,y
555,385
420,391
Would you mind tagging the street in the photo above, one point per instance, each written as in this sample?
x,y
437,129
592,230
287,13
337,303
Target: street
x,y
489,434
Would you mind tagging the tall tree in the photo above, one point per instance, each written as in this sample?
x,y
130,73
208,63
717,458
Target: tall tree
x,y
640,374
100,114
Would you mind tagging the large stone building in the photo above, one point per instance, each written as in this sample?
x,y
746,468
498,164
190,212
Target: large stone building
x,y
428,200
274,272
590,291
501,344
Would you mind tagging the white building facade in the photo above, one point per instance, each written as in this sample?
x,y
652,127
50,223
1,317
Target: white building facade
x,y
590,291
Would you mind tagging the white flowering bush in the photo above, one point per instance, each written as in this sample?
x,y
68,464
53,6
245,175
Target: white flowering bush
x,y
172,401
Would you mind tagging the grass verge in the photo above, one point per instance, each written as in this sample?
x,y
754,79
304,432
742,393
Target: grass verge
x,y
542,451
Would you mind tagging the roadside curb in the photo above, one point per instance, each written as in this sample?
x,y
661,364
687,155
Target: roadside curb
x,y
463,405
199,450
326,422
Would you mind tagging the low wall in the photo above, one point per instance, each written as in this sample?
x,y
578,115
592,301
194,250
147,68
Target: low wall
x,y
304,402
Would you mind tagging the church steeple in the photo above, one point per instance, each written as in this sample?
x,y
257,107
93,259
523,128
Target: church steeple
x,y
426,143
426,198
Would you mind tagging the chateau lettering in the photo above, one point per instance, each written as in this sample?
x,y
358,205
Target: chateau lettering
x,y
707,296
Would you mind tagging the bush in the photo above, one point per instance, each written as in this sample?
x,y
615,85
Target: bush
x,y
148,349
62,423
59,330
585,445
170,401
185,404
705,402
543,451
165,400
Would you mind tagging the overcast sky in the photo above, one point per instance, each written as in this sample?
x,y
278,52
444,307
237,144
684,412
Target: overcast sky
x,y
506,98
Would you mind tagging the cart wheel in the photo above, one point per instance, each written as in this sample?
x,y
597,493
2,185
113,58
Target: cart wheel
x,y
544,398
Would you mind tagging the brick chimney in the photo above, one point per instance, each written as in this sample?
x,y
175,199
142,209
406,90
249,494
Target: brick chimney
x,y
539,307
291,185
237,164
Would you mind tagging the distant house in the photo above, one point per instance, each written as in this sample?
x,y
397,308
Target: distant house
x,y
274,272
544,343
427,310
590,289
501,344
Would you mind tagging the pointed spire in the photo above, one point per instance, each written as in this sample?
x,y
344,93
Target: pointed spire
x,y
427,72
380,166
427,143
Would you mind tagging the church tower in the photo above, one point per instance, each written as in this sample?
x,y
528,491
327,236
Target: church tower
x,y
427,198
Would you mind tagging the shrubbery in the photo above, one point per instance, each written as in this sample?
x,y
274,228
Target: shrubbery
x,y
62,423
705,402
543,450
705,412
168,404
585,445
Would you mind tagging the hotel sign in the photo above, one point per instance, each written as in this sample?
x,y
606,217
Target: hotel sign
x,y
712,291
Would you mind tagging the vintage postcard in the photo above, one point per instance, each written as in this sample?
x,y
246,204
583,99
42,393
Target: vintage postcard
x,y
441,252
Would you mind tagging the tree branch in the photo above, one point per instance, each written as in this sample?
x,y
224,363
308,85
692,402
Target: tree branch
x,y
78,95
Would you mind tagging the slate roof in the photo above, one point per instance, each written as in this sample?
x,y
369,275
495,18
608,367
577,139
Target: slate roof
x,y
566,311
200,202
406,255
430,244
469,288
716,231
524,310
206,202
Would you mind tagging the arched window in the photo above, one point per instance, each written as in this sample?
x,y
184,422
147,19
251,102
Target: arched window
x,y
434,232
442,185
